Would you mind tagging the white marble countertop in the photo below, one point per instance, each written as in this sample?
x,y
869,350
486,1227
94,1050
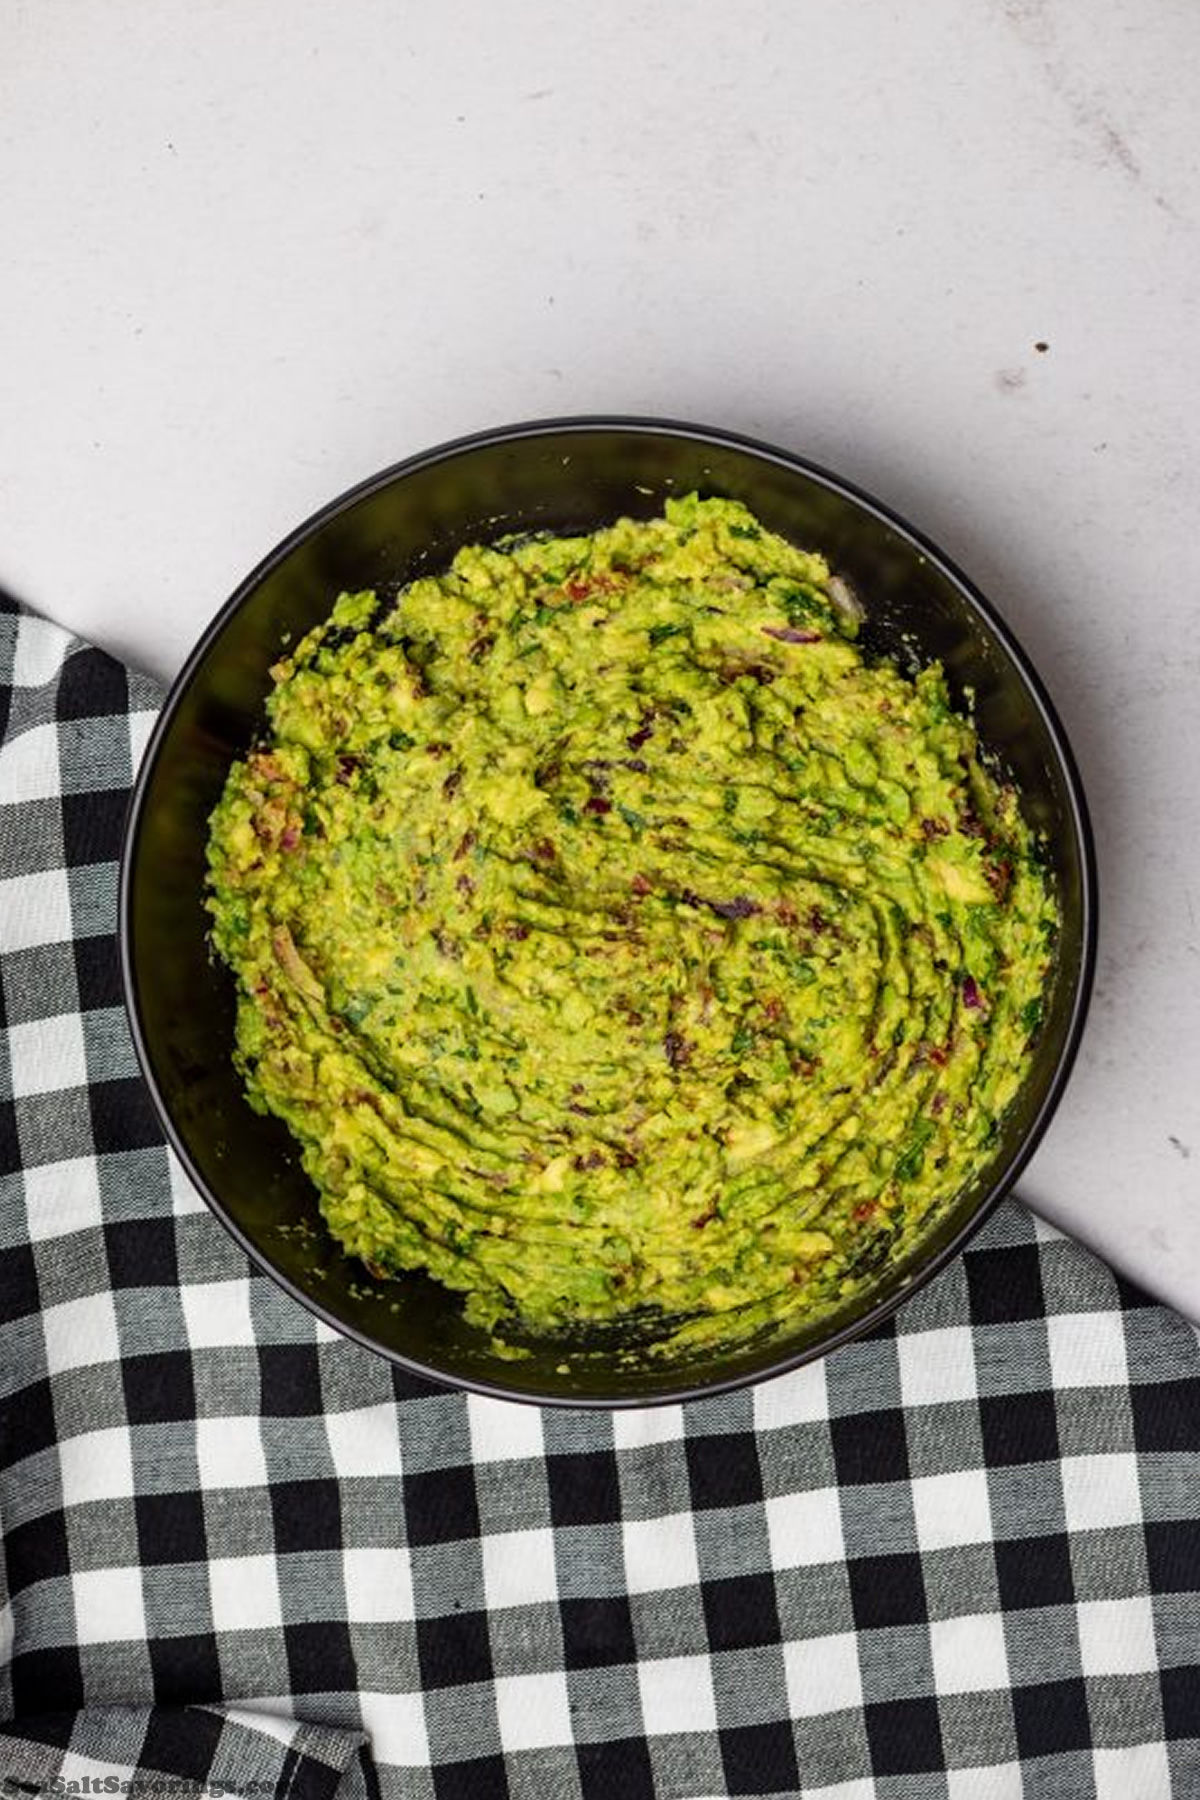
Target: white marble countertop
x,y
254,252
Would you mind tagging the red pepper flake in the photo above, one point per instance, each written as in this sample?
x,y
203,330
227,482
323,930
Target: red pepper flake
x,y
773,1009
452,783
641,885
582,587
264,767
598,805
999,876
466,844
677,1049
513,928
290,838
865,1209
971,994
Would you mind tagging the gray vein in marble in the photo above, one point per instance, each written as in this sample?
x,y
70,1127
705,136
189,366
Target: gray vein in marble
x,y
1033,22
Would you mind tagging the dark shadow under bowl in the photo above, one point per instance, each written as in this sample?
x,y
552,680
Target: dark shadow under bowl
x,y
561,476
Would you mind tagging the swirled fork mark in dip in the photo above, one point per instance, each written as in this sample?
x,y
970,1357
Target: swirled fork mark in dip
x,y
617,940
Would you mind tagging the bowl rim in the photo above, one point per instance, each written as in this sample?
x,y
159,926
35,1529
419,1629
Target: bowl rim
x,y
717,438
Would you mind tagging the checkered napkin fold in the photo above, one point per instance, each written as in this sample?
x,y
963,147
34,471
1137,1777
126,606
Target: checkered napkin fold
x,y
957,1560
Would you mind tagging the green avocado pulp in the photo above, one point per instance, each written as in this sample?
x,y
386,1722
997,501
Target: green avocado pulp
x,y
617,941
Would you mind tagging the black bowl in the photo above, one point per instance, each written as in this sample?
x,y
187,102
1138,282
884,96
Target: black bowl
x,y
563,476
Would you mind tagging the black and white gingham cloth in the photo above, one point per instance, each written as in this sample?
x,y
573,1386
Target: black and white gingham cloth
x,y
181,1752
958,1560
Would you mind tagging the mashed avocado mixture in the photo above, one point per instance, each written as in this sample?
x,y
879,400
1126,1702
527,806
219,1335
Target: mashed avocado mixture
x,y
615,939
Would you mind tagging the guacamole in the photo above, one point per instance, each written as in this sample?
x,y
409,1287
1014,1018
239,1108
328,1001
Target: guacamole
x,y
617,940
